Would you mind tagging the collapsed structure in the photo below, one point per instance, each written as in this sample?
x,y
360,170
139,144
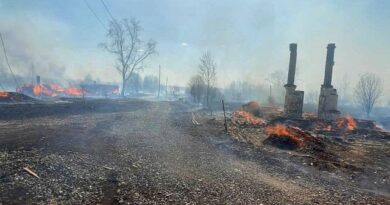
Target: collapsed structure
x,y
327,104
293,102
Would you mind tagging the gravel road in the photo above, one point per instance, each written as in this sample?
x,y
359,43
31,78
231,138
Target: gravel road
x,y
153,154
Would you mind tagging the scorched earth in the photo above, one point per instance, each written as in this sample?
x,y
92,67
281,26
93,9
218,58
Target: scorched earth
x,y
138,152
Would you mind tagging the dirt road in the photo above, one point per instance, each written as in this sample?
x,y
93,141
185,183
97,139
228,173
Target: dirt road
x,y
152,153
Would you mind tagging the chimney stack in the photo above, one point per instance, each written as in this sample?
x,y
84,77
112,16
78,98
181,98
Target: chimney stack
x,y
293,101
38,80
329,65
327,104
292,64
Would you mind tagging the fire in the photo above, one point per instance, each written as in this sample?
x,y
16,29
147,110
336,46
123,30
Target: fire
x,y
347,122
57,88
248,117
37,90
322,126
42,90
74,91
4,94
284,131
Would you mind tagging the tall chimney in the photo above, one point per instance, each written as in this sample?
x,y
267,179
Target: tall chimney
x,y
38,80
292,64
329,65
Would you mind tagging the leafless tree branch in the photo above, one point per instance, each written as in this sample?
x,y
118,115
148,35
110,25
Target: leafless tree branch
x,y
207,69
368,91
124,42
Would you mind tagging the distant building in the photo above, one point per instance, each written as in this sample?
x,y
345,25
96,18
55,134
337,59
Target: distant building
x,y
100,89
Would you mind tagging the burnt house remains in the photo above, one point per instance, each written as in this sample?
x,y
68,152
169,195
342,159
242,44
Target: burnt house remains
x,y
327,106
293,103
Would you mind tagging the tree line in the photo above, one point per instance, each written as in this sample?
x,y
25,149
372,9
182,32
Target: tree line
x,y
125,43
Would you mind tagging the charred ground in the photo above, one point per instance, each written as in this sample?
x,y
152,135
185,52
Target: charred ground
x,y
138,152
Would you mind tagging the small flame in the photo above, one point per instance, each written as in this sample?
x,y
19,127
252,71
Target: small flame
x,y
323,126
284,131
74,91
4,94
347,122
57,88
37,90
248,117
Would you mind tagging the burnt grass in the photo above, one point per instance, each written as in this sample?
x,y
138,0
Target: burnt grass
x,y
138,152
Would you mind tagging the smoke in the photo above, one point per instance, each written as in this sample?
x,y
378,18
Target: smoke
x,y
35,46
249,39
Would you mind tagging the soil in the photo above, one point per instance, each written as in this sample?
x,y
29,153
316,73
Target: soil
x,y
138,152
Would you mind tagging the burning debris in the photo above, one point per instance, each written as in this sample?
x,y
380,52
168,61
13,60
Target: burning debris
x,y
244,117
252,107
323,143
288,137
347,123
13,97
50,90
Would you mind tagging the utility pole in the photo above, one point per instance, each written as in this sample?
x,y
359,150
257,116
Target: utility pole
x,y
159,80
224,115
270,90
166,87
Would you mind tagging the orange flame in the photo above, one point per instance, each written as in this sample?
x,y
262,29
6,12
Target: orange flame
x,y
323,126
248,117
284,131
37,90
42,90
57,88
347,122
74,91
4,94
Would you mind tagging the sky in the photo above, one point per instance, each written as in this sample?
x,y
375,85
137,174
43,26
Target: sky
x,y
249,39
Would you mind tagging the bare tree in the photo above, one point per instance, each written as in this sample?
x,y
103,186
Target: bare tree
x,y
367,92
197,88
125,43
207,69
278,79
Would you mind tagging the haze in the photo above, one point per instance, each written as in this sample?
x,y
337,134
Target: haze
x,y
249,39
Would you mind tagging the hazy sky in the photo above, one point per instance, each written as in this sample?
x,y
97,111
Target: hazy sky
x,y
248,38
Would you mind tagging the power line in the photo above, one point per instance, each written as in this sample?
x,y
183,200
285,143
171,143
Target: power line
x,y
108,11
93,12
6,60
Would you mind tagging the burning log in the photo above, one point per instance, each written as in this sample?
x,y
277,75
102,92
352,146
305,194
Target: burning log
x,y
288,137
252,107
347,122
